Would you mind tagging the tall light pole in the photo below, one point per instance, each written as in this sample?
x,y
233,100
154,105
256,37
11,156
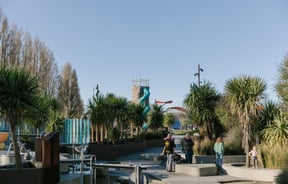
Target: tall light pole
x,y
198,74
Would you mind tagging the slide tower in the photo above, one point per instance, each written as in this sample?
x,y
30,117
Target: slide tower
x,y
141,93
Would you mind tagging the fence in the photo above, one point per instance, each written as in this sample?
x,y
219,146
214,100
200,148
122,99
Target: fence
x,y
76,131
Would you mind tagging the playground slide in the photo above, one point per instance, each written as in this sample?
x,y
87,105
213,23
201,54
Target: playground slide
x,y
143,98
142,101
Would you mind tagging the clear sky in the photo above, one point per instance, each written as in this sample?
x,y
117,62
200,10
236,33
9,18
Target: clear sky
x,y
113,42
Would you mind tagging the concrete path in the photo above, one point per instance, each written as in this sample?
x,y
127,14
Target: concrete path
x,y
155,169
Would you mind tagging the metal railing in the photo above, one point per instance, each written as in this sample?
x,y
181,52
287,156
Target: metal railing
x,y
136,167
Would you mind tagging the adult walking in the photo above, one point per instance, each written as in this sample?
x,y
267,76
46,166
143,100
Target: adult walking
x,y
219,152
168,150
187,147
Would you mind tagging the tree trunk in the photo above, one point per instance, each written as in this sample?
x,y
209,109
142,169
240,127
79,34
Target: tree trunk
x,y
17,155
92,133
131,130
101,134
97,133
246,146
121,130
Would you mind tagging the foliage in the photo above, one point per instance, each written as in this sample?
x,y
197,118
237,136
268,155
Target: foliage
x,y
203,146
38,115
55,122
114,134
275,140
20,50
233,141
156,117
183,132
227,119
265,118
201,103
243,92
18,92
136,117
282,83
69,94
169,119
277,132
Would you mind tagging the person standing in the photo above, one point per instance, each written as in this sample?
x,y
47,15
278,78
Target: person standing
x,y
219,152
187,147
254,153
168,150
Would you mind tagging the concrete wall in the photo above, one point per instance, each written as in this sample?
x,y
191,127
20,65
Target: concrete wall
x,y
111,152
25,175
201,159
267,175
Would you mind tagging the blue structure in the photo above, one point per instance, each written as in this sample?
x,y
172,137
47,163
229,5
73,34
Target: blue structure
x,y
4,126
145,101
76,131
176,125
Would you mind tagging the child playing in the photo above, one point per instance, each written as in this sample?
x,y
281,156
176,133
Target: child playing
x,y
254,153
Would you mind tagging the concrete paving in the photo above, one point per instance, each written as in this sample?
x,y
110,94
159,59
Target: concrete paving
x,y
156,170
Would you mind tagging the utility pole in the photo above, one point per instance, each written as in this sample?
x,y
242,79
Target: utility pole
x,y
198,74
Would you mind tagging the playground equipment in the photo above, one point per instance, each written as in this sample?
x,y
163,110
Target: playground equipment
x,y
140,94
9,157
144,98
81,150
3,138
77,131
163,102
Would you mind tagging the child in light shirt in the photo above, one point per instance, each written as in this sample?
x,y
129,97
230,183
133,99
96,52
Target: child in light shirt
x,y
254,153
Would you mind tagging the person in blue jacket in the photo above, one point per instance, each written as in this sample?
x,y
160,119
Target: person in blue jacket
x,y
219,152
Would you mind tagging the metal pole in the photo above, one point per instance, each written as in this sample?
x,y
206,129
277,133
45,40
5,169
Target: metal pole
x,y
92,170
199,70
198,75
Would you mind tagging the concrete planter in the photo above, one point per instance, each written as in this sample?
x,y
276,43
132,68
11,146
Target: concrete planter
x,y
9,159
201,159
111,152
239,170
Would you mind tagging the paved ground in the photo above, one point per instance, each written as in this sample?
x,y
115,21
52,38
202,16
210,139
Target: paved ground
x,y
159,175
155,169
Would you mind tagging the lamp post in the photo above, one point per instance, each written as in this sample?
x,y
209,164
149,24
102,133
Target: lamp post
x,y
198,74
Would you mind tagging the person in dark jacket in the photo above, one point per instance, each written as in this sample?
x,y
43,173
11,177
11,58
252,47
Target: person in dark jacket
x,y
187,147
168,150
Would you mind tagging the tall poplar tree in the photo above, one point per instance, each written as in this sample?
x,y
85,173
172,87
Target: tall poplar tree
x,y
281,86
69,93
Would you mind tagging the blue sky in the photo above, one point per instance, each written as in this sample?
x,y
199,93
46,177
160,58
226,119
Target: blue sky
x,y
112,42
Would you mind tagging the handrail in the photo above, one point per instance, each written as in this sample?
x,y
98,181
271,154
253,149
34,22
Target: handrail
x,y
134,166
92,170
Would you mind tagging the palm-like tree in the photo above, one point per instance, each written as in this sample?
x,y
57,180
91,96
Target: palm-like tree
x,y
266,117
97,113
36,117
275,140
243,93
156,117
18,92
136,117
120,107
277,132
201,102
